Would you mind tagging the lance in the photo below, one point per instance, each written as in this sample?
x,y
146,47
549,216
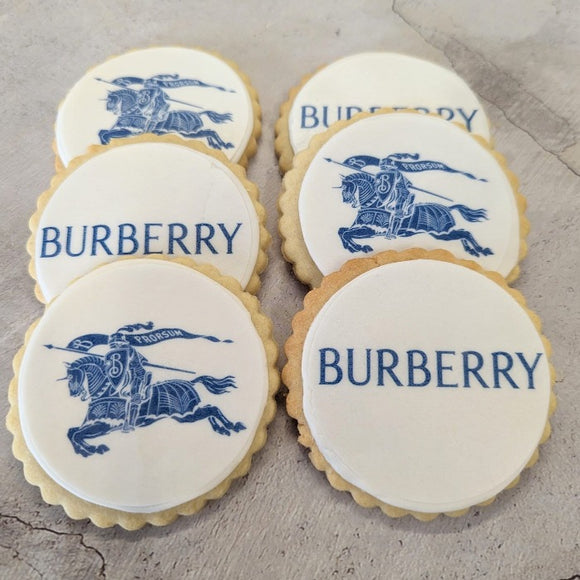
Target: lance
x,y
147,364
410,185
167,98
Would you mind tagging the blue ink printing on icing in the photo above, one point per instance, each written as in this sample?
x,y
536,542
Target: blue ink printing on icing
x,y
120,392
127,239
419,368
147,109
312,116
387,208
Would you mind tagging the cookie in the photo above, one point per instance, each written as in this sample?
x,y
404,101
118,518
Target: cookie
x,y
173,90
421,383
147,196
142,392
368,82
397,180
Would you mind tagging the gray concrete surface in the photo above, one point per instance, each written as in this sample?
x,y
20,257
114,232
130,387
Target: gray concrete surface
x,y
283,520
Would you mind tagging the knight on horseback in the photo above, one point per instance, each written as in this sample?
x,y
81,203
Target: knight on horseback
x,y
142,105
119,389
125,369
386,207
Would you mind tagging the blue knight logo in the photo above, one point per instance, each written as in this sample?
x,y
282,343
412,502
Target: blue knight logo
x,y
142,106
119,389
387,208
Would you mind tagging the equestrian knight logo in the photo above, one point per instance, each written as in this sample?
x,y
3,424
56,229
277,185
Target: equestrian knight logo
x,y
119,389
387,208
142,106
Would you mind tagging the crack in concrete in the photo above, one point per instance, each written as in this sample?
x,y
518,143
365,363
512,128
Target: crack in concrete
x,y
18,557
549,152
396,11
556,155
508,117
102,571
506,74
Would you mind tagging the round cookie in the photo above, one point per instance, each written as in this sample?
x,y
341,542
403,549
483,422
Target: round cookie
x,y
147,196
162,90
397,180
367,82
421,384
142,392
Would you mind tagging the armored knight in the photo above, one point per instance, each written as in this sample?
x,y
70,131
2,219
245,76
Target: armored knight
x,y
153,105
125,369
392,188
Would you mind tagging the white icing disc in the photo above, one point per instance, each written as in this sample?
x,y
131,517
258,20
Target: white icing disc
x,y
426,385
164,90
400,180
143,386
146,198
370,81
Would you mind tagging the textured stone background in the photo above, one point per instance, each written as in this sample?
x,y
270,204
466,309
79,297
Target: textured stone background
x,y
283,520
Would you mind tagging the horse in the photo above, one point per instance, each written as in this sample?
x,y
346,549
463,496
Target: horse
x,y
175,398
372,220
132,120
